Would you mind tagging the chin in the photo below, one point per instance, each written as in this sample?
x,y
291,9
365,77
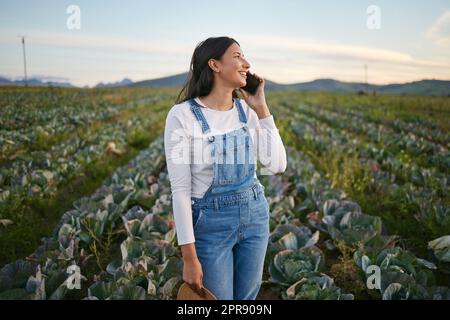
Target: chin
x,y
242,83
238,83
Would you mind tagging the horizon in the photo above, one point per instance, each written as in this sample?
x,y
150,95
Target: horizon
x,y
303,41
126,78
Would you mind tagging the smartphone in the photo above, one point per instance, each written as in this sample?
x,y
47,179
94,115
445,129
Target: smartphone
x,y
252,83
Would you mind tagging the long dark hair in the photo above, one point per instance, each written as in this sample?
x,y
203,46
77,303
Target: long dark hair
x,y
200,78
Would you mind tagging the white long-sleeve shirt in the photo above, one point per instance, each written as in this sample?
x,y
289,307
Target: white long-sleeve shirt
x,y
189,160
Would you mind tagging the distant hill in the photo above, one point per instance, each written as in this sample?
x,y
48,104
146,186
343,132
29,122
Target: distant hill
x,y
124,82
33,82
334,86
171,81
422,87
178,80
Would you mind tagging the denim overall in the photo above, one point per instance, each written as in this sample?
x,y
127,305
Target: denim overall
x,y
231,221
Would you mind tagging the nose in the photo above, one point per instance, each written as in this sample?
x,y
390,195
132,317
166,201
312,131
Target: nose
x,y
246,63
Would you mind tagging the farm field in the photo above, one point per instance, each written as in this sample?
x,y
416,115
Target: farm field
x,y
84,186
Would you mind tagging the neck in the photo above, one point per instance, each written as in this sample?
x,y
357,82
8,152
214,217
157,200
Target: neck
x,y
220,98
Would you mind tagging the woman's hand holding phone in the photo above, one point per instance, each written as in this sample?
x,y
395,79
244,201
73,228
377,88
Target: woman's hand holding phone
x,y
256,101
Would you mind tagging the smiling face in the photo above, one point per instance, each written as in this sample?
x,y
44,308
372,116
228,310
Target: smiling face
x,y
232,67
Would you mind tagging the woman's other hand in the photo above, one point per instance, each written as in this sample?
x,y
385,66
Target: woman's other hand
x,y
193,275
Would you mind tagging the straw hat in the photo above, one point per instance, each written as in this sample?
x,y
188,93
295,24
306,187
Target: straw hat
x,y
187,293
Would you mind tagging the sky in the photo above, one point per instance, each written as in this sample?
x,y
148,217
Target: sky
x,y
284,41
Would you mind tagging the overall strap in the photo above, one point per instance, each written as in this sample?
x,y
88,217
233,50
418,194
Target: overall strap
x,y
242,116
196,110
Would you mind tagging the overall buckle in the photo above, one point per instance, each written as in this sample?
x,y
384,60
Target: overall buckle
x,y
255,191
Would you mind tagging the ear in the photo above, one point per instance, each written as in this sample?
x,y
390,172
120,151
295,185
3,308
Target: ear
x,y
213,65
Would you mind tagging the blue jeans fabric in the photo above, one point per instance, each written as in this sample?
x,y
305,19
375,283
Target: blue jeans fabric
x,y
231,221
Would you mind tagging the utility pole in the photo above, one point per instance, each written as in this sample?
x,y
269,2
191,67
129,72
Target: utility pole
x,y
24,61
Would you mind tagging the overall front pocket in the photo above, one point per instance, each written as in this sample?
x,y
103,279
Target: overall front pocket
x,y
197,216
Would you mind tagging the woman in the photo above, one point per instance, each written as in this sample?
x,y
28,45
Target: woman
x,y
212,140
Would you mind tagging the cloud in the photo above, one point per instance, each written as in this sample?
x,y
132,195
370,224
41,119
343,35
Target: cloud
x,y
307,69
82,41
279,58
334,52
439,32
272,46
